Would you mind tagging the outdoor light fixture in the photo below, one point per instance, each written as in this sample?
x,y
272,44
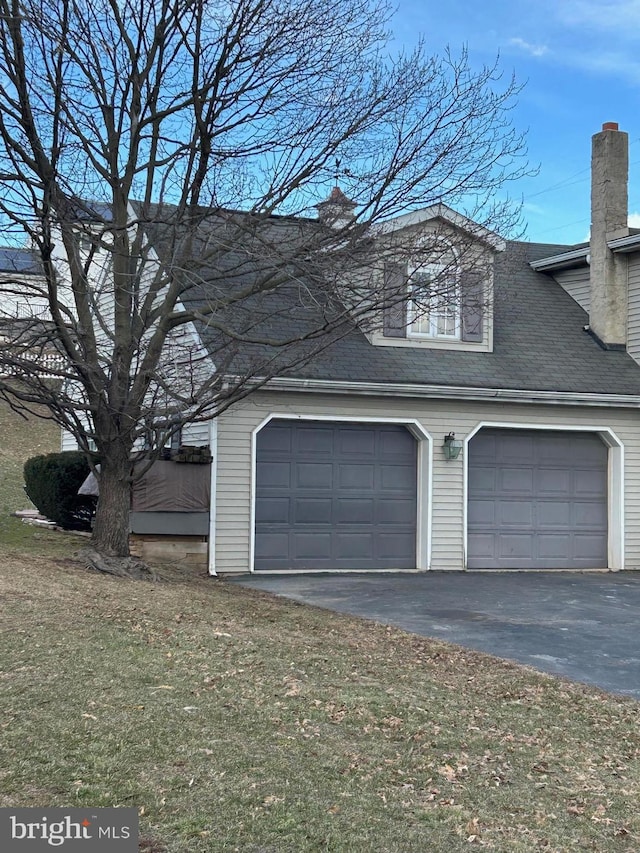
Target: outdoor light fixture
x,y
451,447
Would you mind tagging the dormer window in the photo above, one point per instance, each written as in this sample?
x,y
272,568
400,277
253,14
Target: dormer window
x,y
434,307
434,304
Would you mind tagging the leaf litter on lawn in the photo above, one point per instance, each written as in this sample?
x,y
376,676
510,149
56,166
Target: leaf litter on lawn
x,y
237,721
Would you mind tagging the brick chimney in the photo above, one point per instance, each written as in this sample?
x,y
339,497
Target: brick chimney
x,y
609,219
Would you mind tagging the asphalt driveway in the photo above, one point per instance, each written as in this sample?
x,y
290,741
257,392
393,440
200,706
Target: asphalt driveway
x,y
585,627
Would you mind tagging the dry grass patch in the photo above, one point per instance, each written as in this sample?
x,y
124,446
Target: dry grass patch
x,y
21,439
237,721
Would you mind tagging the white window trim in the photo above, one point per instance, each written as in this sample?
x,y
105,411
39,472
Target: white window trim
x,y
413,317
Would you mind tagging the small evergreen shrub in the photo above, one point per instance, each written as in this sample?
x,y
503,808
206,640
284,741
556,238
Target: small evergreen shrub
x,y
52,484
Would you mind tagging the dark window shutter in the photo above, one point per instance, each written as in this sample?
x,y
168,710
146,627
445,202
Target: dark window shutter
x,y
394,323
473,307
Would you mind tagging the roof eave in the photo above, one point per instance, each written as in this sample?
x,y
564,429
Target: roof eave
x,y
397,389
565,260
624,245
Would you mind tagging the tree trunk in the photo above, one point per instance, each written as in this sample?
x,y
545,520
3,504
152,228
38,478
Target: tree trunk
x,y
111,528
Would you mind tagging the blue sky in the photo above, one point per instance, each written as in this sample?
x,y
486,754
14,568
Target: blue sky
x,y
580,61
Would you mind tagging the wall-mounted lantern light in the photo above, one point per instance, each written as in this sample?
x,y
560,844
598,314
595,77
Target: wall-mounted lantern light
x,y
451,448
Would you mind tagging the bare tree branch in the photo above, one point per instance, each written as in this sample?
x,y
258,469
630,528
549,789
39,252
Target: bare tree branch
x,y
162,160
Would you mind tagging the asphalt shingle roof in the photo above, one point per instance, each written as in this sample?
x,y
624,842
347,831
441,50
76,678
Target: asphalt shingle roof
x,y
539,344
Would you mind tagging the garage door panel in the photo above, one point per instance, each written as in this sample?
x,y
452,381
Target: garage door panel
x,y
515,513
482,512
551,481
272,545
590,482
551,513
356,443
315,441
590,514
354,511
312,511
278,440
482,547
553,546
588,544
515,545
394,511
356,476
313,475
552,448
310,545
343,497
274,475
397,548
482,479
550,506
515,448
274,511
484,448
516,481
355,545
397,477
396,443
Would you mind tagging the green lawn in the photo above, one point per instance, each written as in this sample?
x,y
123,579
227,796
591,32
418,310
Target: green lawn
x,y
236,721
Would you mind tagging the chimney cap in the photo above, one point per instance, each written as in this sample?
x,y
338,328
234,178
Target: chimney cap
x,y
610,125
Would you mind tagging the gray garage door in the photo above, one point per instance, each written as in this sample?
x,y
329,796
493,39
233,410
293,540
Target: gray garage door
x,y
335,496
537,500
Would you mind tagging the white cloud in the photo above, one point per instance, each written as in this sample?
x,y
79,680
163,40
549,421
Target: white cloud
x,y
634,220
532,49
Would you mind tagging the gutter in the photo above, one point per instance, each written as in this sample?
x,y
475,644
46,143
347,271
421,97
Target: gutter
x,y
451,392
575,257
625,244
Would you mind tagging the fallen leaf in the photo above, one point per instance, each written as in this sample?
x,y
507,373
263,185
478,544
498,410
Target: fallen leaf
x,y
448,772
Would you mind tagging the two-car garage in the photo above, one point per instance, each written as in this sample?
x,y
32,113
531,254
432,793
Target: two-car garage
x,y
338,495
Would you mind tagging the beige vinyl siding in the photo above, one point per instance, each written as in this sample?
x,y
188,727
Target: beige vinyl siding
x,y
234,476
576,283
633,302
195,435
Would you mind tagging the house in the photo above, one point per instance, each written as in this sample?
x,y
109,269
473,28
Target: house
x,y
496,428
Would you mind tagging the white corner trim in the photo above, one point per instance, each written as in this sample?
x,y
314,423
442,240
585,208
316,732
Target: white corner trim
x,y
424,475
213,445
615,497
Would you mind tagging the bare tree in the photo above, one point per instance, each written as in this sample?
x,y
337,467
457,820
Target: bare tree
x,y
163,158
